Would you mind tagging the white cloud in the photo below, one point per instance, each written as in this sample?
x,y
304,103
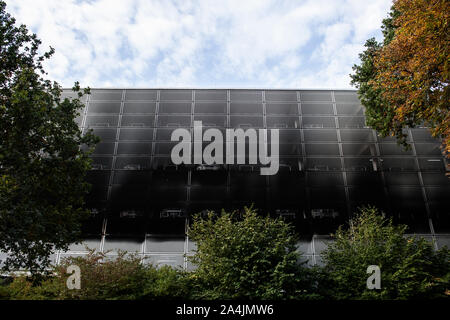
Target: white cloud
x,y
252,43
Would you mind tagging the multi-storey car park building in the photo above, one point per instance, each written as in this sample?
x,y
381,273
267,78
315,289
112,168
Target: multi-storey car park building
x,y
330,163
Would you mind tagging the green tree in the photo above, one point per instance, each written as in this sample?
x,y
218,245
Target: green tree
x,y
251,257
42,167
378,113
410,268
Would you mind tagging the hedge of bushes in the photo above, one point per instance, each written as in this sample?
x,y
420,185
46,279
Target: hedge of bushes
x,y
253,257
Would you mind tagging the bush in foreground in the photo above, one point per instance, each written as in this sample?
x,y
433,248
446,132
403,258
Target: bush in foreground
x,y
410,267
250,257
254,257
122,278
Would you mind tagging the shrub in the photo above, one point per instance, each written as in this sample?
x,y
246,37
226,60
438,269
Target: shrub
x,y
123,278
251,257
166,283
410,268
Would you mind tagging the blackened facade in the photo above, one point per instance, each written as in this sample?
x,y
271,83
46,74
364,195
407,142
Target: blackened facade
x,y
330,163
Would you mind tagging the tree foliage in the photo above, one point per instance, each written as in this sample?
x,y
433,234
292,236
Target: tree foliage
x,y
249,257
404,81
410,268
42,167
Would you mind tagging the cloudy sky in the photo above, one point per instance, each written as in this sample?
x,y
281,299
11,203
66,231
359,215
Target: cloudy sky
x,y
212,44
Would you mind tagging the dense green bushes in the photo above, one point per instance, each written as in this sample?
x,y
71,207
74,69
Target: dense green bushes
x,y
246,257
254,257
410,268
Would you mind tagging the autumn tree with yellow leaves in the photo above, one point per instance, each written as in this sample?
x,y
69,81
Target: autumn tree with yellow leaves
x,y
404,81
